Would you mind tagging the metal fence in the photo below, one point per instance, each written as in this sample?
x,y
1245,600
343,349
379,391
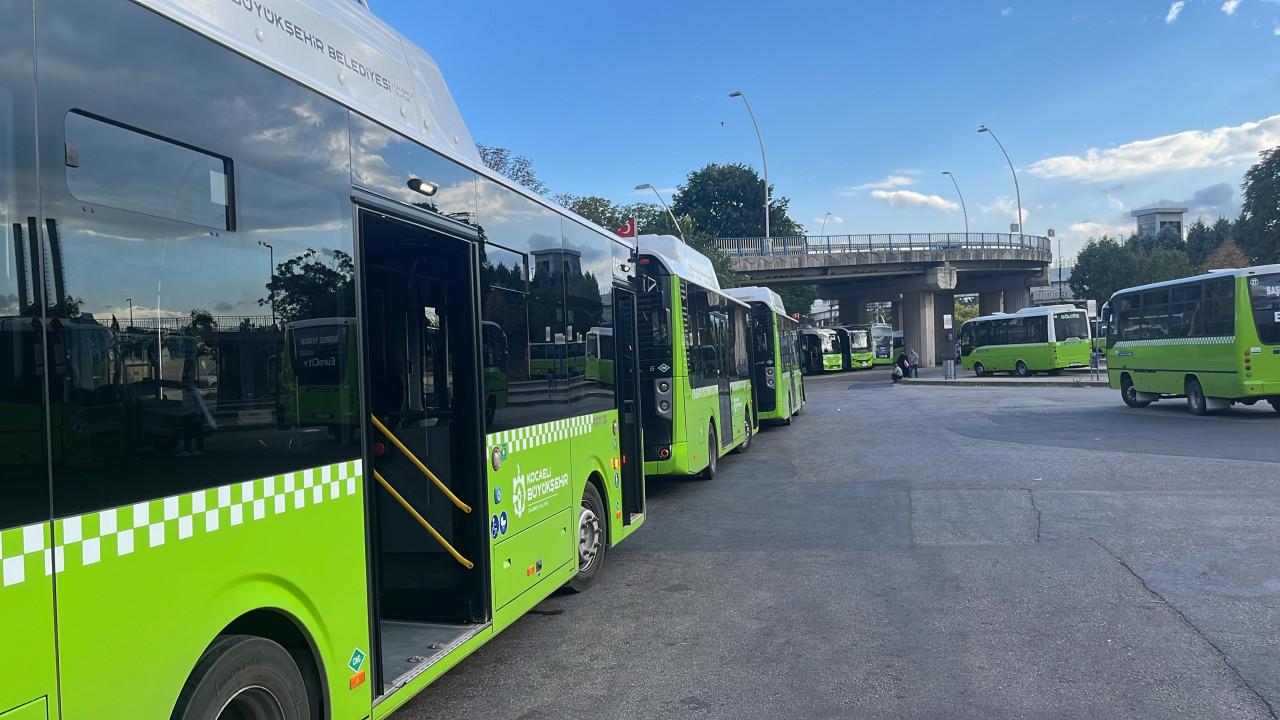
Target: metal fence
x,y
822,244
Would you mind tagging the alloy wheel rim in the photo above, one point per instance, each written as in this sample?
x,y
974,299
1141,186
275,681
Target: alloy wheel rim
x,y
588,538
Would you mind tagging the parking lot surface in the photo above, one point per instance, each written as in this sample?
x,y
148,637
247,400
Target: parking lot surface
x,y
928,552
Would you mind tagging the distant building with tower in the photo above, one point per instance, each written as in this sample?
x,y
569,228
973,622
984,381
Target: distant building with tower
x,y
1153,220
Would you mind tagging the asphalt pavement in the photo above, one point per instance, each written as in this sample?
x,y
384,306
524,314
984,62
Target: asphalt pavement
x,y
928,552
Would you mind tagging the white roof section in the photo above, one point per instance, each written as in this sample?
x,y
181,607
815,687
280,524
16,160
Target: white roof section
x,y
1028,312
1143,212
679,259
758,294
1212,274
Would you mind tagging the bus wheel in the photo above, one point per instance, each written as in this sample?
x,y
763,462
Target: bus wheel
x,y
591,539
1196,401
241,677
1130,393
746,439
1275,404
1021,369
713,456
979,370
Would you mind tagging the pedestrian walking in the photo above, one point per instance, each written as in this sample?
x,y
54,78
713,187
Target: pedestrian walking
x,y
913,358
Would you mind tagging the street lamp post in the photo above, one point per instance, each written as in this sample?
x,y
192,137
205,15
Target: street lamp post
x,y
764,162
130,301
648,186
823,231
962,207
271,268
1016,190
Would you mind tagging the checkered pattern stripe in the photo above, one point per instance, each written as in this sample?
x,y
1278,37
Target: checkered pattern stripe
x,y
89,539
1212,340
527,438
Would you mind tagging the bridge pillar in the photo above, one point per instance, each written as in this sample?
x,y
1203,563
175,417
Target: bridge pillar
x,y
918,310
1016,298
943,304
990,302
853,311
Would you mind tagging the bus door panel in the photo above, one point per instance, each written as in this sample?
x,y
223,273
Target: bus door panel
x,y
26,586
720,340
626,369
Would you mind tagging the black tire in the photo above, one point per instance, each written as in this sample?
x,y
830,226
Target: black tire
x,y
242,677
1021,369
713,456
1130,393
593,542
979,369
1197,403
745,445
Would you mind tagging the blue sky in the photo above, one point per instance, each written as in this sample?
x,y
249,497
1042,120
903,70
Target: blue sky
x,y
1104,106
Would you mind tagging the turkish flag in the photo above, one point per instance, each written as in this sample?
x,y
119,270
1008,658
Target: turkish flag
x,y
628,229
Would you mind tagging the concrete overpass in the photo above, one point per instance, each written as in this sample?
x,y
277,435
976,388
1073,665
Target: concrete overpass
x,y
920,273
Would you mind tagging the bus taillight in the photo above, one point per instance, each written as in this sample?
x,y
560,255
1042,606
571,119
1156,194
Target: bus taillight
x,y
664,453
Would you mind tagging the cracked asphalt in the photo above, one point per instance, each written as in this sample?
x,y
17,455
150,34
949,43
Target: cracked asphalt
x,y
928,552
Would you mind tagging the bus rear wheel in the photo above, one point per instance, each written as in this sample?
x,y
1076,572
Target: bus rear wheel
x,y
1130,394
591,539
979,369
1021,369
1197,403
713,455
746,439
242,677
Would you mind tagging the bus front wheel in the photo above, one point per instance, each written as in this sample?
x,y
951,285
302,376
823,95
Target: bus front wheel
x,y
591,539
979,370
1130,394
242,677
1197,403
1021,369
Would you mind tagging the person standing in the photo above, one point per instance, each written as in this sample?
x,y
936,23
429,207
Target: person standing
x,y
913,360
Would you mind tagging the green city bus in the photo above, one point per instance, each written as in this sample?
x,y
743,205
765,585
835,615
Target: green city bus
x,y
885,343
1036,339
775,357
862,354
173,543
1213,339
694,364
821,350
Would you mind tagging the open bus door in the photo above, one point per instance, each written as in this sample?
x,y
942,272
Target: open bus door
x,y
627,378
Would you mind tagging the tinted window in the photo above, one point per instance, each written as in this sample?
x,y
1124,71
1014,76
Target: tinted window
x,y
183,358
387,163
588,277
124,168
1264,297
1070,325
1220,308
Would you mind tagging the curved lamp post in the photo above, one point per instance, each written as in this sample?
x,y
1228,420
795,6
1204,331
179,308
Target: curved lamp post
x,y
764,162
647,186
1016,190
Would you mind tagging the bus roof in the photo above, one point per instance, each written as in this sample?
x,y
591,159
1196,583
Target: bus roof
x,y
764,295
682,261
1226,272
342,50
1033,311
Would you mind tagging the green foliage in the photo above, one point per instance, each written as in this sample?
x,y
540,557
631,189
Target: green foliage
x,y
1102,267
966,308
310,285
1227,255
796,298
727,201
1259,225
515,167
1159,265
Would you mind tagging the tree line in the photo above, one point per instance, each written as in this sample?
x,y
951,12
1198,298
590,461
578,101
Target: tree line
x,y
1107,264
715,201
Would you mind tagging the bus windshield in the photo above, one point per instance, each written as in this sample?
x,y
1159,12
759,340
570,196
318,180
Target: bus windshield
x,y
1070,325
1264,295
318,354
829,342
859,341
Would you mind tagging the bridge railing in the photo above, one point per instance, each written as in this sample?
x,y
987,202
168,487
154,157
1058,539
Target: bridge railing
x,y
823,244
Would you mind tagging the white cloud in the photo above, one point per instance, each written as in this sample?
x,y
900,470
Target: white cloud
x,y
1276,31
1006,205
1187,150
1006,12
1174,11
889,183
1229,6
911,198
1087,229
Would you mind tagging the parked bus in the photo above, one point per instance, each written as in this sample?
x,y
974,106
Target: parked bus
x,y
861,352
1213,339
775,356
885,343
694,365
599,349
247,567
1035,339
821,350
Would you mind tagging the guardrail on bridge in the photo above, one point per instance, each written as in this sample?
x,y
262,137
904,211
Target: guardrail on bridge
x,y
823,244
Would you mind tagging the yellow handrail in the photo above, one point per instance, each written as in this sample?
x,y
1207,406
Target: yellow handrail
x,y
422,521
414,458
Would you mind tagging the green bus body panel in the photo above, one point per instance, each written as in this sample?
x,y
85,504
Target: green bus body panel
x,y
1038,357
788,396
1162,366
29,668
172,573
832,362
35,710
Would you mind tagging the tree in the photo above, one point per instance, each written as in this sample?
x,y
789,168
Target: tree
x,y
1166,239
966,309
1259,226
1102,267
1202,241
796,298
1228,255
1160,265
726,201
515,167
306,286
